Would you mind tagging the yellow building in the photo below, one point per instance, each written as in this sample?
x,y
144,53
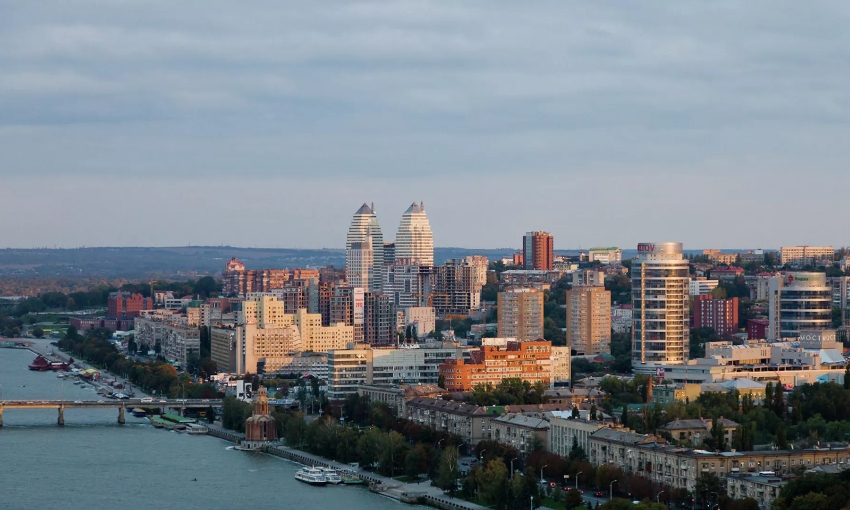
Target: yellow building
x,y
589,319
268,338
520,314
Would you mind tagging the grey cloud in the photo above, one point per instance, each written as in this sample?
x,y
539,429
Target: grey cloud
x,y
621,98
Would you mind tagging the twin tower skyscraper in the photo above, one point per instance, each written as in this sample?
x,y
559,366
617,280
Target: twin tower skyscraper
x,y
365,251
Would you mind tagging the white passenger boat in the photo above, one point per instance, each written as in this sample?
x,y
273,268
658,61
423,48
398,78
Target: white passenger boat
x,y
196,429
331,475
311,475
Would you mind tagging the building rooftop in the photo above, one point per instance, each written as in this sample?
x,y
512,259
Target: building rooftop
x,y
520,420
697,423
450,406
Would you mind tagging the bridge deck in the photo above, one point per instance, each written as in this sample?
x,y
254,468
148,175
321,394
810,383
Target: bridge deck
x,y
109,404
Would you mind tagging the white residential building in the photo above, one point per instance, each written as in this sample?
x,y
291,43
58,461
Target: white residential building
x,y
364,222
414,240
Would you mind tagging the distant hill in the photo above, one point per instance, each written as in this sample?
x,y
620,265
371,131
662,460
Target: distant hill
x,y
191,261
180,261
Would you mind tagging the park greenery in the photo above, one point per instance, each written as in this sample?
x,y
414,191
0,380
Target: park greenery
x,y
805,416
820,491
511,391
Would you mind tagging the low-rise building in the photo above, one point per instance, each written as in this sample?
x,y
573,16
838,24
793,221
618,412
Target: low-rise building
x,y
670,393
701,286
764,488
565,431
472,423
518,431
396,396
574,396
678,467
695,431
351,368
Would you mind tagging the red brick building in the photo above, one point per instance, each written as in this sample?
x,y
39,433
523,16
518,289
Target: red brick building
x,y
719,314
123,305
757,329
529,361
538,250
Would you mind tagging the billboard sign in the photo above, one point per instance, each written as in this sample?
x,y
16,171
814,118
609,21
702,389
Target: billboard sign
x,y
646,247
358,299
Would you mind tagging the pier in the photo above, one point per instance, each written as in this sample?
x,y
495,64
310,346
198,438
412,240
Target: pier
x,y
121,405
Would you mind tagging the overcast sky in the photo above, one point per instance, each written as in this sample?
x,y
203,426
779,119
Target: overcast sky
x,y
268,123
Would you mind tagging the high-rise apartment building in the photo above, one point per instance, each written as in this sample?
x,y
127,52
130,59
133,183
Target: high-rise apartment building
x,y
589,319
238,281
389,254
380,324
538,250
266,338
660,298
798,301
363,224
414,240
520,314
408,282
805,255
360,264
718,314
457,287
840,286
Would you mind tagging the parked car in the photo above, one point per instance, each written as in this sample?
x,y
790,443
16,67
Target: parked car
x,y
598,494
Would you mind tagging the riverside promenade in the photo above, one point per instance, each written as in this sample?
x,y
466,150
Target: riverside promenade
x,y
422,492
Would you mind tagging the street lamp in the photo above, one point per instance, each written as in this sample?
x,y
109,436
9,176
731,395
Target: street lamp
x,y
658,496
541,471
440,441
611,490
481,455
580,472
532,502
512,468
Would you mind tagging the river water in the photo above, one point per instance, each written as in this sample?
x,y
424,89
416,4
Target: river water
x,y
93,463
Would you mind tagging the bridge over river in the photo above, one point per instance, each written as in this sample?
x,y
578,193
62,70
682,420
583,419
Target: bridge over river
x,y
120,404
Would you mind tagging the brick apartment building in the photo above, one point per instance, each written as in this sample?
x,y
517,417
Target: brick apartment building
x,y
124,305
718,314
529,361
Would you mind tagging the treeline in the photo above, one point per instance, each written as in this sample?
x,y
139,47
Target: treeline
x,y
804,416
815,492
204,287
153,377
511,391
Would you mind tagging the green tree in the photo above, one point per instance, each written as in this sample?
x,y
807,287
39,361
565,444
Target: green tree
x,y
493,483
37,332
778,400
413,463
448,471
847,378
781,437
574,499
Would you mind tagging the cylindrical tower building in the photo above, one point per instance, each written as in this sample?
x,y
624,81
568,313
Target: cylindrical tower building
x,y
660,298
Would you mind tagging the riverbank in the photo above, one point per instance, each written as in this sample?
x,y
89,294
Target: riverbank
x,y
45,348
422,493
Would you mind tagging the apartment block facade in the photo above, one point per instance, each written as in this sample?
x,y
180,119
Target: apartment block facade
x,y
520,314
498,360
804,255
538,250
589,319
718,314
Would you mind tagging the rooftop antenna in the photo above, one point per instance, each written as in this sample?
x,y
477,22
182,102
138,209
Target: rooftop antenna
x,y
373,207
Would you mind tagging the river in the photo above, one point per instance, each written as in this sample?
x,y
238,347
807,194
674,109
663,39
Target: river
x,y
94,463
